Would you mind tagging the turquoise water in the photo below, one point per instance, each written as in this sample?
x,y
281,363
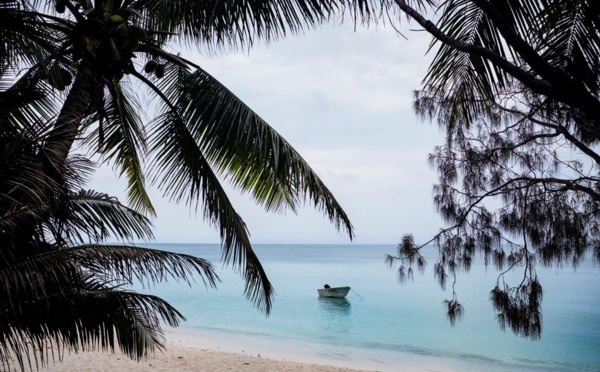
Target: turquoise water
x,y
389,323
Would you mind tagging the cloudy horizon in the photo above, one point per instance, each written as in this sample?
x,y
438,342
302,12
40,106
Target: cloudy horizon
x,y
343,99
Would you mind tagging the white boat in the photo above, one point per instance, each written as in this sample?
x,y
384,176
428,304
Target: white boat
x,y
339,292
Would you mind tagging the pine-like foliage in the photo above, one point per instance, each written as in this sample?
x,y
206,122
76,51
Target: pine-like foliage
x,y
514,85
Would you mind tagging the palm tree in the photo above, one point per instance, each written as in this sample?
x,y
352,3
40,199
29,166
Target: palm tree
x,y
59,286
95,51
77,63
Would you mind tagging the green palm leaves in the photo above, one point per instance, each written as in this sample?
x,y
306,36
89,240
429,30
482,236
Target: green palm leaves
x,y
56,290
80,83
205,130
202,131
241,146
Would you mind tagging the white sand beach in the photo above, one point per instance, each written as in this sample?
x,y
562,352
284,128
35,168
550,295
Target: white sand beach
x,y
198,352
185,358
191,352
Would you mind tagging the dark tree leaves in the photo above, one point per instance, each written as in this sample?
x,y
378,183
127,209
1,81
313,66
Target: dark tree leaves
x,y
515,87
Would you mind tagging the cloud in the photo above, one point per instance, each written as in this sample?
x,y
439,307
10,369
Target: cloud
x,y
343,99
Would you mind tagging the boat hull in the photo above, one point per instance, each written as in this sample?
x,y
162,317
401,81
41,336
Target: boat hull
x,y
337,292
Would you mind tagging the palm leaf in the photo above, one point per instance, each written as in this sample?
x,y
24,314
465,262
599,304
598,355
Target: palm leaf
x,y
451,69
25,35
88,315
33,276
23,181
456,78
185,173
24,105
570,41
228,23
98,216
245,149
123,142
557,34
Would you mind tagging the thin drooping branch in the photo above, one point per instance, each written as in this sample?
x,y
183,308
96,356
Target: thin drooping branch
x,y
560,130
504,172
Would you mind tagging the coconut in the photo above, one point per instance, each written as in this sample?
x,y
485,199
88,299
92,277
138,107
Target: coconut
x,y
139,33
115,18
121,30
160,71
60,7
150,66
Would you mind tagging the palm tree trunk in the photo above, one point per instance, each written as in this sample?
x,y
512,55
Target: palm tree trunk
x,y
68,123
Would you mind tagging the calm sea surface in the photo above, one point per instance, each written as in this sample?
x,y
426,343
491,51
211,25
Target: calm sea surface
x,y
388,323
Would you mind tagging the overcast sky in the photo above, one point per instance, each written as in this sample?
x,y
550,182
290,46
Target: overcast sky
x,y
343,99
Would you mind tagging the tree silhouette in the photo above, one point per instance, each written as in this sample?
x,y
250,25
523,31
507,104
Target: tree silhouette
x,y
514,84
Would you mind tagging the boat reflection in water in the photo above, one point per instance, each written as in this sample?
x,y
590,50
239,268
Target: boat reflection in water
x,y
334,305
335,314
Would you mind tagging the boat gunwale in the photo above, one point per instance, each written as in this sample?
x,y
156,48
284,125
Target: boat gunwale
x,y
334,292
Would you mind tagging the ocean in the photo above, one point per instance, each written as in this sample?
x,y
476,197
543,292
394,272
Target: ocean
x,y
382,324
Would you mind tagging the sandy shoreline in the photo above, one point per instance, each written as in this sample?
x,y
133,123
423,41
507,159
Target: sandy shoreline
x,y
188,352
185,359
191,351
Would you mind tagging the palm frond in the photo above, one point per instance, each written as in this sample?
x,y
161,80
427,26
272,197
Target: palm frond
x,y
245,149
24,35
451,69
559,33
88,315
219,23
78,171
25,106
457,77
569,40
121,138
37,275
99,216
23,180
185,173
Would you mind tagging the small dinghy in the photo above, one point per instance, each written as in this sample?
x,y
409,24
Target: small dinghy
x,y
338,292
